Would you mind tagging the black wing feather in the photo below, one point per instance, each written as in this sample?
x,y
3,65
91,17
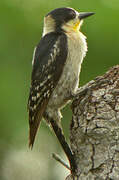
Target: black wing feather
x,y
50,57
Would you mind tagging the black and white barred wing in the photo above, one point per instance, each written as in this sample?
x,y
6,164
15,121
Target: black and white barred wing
x,y
49,59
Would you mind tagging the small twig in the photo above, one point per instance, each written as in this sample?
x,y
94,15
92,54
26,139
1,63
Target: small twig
x,y
58,158
59,133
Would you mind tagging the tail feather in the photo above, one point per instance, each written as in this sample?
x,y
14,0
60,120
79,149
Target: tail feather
x,y
32,132
34,125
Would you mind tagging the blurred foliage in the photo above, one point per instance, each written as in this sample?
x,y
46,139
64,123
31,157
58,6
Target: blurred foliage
x,y
21,24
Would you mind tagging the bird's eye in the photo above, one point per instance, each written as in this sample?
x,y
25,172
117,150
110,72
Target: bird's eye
x,y
72,14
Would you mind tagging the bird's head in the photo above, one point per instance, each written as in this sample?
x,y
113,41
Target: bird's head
x,y
64,19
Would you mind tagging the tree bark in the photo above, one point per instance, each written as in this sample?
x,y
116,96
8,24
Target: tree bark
x,y
94,130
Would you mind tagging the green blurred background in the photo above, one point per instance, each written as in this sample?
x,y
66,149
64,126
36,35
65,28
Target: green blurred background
x,y
21,24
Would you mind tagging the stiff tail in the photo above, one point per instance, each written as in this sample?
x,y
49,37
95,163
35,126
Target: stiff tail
x,y
34,124
32,132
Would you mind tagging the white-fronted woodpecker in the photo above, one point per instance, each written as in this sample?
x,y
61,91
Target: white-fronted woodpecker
x,y
56,64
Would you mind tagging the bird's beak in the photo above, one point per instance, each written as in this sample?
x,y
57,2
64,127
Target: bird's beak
x,y
85,15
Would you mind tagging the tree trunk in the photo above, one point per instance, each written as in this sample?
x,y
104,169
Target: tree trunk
x,y
94,130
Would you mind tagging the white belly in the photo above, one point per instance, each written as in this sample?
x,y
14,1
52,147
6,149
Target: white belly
x,y
69,79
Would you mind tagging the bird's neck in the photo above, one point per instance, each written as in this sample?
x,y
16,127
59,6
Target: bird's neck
x,y
47,29
77,41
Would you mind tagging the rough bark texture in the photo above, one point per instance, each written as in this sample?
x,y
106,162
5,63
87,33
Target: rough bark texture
x,y
94,131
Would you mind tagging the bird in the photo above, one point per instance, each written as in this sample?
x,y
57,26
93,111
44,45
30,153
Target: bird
x,y
56,68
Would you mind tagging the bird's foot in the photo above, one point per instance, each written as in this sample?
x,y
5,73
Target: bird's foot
x,y
79,93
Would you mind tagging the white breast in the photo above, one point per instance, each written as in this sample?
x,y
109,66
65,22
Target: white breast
x,y
77,48
69,79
